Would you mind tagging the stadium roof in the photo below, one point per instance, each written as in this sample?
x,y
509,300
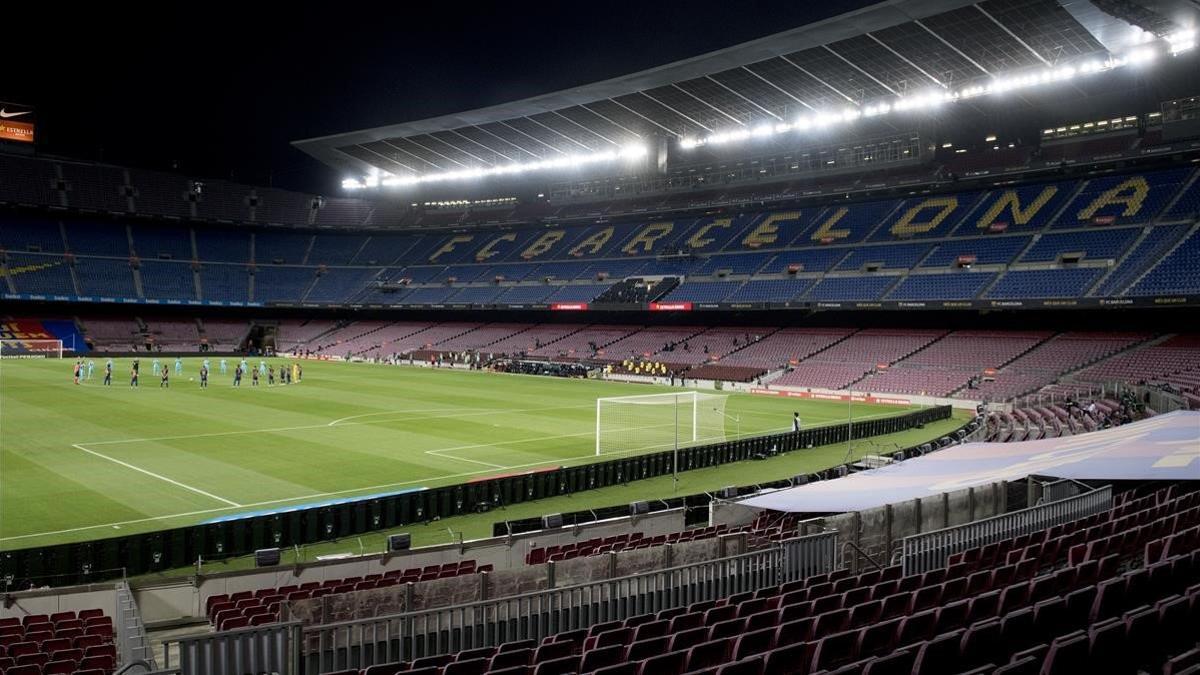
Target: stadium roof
x,y
888,50
1166,447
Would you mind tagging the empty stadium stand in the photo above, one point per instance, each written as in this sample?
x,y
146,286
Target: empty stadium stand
x,y
63,643
1113,592
1127,235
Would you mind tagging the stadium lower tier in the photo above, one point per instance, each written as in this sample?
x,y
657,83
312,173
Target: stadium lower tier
x,y
1113,236
63,643
1115,592
970,364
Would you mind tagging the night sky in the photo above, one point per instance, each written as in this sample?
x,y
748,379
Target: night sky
x,y
219,89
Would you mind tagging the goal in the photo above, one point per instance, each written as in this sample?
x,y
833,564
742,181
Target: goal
x,y
31,349
627,424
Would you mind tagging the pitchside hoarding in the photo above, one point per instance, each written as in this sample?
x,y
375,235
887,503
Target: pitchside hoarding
x,y
16,122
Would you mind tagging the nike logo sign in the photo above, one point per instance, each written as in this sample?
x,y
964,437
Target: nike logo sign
x,y
4,114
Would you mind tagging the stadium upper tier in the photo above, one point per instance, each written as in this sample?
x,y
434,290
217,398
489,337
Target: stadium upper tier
x,y
1111,236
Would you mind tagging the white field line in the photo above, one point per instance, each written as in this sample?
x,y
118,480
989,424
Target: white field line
x,y
272,502
400,412
318,495
233,503
326,425
139,469
472,461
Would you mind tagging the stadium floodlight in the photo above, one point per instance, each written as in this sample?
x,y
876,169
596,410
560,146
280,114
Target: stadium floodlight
x,y
629,152
1181,41
1144,53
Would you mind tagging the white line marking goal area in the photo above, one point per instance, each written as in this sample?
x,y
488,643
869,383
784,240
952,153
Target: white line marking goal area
x,y
161,477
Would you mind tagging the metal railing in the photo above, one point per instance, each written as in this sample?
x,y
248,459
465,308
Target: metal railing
x,y
929,550
1060,489
260,649
132,643
533,616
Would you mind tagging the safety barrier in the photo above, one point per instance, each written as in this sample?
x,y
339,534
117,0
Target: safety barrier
x,y
1059,490
260,649
533,616
930,550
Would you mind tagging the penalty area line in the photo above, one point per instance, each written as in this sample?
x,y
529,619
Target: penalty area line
x,y
147,472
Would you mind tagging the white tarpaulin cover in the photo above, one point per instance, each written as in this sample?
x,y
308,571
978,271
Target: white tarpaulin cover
x,y
1165,447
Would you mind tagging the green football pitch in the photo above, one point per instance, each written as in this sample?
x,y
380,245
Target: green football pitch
x,y
88,461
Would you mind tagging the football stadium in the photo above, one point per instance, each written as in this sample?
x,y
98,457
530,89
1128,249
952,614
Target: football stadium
x,y
865,347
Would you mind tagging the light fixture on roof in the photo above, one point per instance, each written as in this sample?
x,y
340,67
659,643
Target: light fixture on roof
x,y
932,99
625,153
1181,41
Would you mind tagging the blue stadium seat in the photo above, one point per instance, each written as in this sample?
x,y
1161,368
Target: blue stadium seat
x,y
999,250
226,283
1019,209
744,263
950,286
701,291
1177,273
427,296
892,256
22,233
337,285
770,290
1094,244
336,249
576,293
1157,242
104,239
850,288
1123,199
220,245
162,242
808,260
105,277
475,295
1053,283
282,284
168,280
41,274
926,217
281,248
522,295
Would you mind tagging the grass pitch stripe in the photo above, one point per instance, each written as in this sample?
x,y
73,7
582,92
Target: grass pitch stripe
x,y
139,469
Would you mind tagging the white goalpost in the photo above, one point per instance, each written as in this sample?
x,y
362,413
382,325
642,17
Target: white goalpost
x,y
30,349
627,424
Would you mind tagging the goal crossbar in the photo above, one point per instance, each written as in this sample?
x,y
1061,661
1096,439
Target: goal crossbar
x,y
627,424
19,348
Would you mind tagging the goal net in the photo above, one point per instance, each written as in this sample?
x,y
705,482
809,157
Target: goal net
x,y
31,349
628,424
